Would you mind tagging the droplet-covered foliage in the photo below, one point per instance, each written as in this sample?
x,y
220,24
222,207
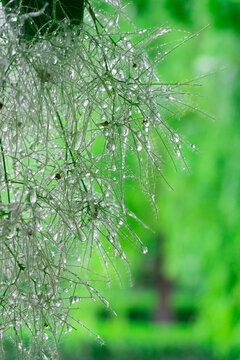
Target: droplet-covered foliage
x,y
80,108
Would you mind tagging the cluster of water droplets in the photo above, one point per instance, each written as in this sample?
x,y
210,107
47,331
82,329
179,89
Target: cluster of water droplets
x,y
79,114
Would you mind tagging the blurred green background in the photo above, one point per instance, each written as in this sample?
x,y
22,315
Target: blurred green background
x,y
185,302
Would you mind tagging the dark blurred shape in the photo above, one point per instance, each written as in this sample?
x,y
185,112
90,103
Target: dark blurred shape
x,y
225,13
180,9
139,314
57,176
44,75
139,350
104,314
184,304
50,12
141,6
163,285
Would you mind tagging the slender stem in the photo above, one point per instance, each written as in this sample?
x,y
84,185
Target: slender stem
x,y
95,20
21,267
68,147
5,171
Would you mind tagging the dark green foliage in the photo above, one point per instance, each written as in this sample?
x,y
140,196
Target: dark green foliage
x,y
180,9
226,13
49,10
90,351
142,6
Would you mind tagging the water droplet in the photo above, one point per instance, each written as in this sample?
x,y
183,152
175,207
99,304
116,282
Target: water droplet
x,y
78,142
176,139
13,19
5,127
106,303
71,73
84,237
33,197
144,250
125,130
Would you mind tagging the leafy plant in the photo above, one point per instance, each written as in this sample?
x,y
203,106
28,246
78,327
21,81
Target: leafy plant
x,y
81,107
